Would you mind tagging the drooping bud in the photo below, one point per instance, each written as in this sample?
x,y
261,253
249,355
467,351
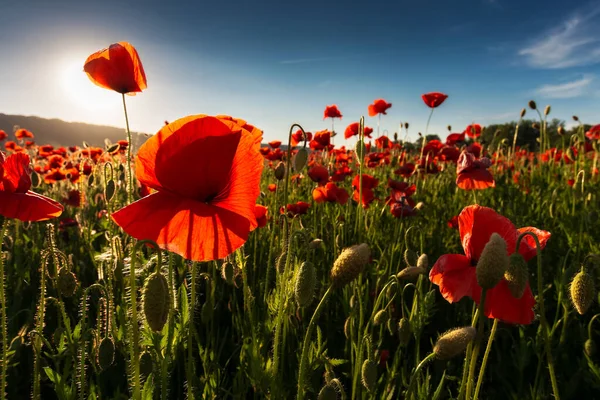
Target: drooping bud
x,y
589,348
300,159
306,281
532,105
406,125
227,271
449,128
380,318
349,264
156,301
561,130
517,275
109,190
66,282
523,112
423,262
575,118
547,110
582,291
492,263
105,354
369,375
410,258
327,392
410,273
404,331
279,171
454,342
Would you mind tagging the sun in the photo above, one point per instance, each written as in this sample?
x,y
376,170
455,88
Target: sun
x,y
82,92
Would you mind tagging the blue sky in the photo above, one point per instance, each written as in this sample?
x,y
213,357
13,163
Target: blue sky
x,y
274,63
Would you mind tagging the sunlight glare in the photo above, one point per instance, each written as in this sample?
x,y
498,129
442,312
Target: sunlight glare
x,y
83,92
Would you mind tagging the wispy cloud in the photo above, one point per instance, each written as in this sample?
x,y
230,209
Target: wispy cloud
x,y
306,60
575,42
567,90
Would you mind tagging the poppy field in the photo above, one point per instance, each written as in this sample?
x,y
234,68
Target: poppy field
x,y
337,264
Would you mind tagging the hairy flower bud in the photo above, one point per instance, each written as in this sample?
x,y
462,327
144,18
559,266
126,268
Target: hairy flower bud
x,y
369,375
532,105
300,159
423,262
454,342
327,392
410,258
380,318
582,291
156,301
349,264
547,110
280,171
589,348
105,354
306,281
523,112
66,282
404,331
492,263
517,275
410,273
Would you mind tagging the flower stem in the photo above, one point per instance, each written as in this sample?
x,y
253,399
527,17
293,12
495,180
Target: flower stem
x,y
485,359
134,339
3,321
129,144
413,378
309,332
475,354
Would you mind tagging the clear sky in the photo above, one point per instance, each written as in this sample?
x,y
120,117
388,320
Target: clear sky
x,y
278,62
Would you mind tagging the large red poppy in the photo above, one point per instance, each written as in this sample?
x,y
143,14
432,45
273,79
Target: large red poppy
x,y
332,111
330,193
298,137
454,138
353,130
455,273
434,99
206,172
379,106
473,131
592,134
16,200
368,184
318,174
321,140
117,68
472,173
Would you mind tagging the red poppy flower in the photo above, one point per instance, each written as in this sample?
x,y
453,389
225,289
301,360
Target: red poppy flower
x,y
432,148
23,133
352,130
379,106
592,134
475,149
300,208
383,142
330,193
571,182
16,200
472,174
261,215
272,187
332,112
406,170
321,140
318,174
434,99
73,199
275,144
341,173
10,145
206,172
117,68
368,184
298,137
55,175
454,138
3,135
453,222
449,153
473,131
403,187
455,273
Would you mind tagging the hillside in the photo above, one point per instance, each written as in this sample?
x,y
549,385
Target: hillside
x,y
61,133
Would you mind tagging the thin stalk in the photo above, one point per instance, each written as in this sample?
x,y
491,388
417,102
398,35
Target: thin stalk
x,y
485,359
190,341
3,321
128,169
475,354
413,378
134,348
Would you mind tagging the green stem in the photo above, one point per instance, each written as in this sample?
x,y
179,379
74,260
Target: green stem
x,y
475,354
3,320
128,169
413,378
309,332
485,359
134,340
463,382
424,140
170,331
190,341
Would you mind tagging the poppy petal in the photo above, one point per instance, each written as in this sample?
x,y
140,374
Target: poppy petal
x,y
476,224
117,68
500,304
28,206
455,276
476,179
527,248
16,173
192,229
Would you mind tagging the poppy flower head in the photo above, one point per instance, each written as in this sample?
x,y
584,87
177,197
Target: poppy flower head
x,y
117,68
332,111
379,106
3,135
299,208
275,144
321,140
592,134
472,173
261,214
455,138
318,174
330,193
434,99
206,172
383,142
23,133
298,137
473,131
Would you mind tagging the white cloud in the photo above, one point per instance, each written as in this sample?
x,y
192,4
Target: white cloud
x,y
566,90
575,42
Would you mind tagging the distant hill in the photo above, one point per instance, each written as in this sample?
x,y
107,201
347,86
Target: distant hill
x,y
61,133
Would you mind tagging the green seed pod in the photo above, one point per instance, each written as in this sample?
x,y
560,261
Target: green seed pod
x,y
105,354
423,262
381,317
369,375
227,272
280,171
327,392
156,301
349,264
280,262
300,159
410,258
113,149
492,263
517,275
404,331
582,291
454,342
66,282
109,190
306,281
146,364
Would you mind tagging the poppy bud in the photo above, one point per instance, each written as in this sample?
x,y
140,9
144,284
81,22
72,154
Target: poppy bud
x,y
300,159
547,110
156,301
492,263
349,264
404,331
420,134
410,258
517,275
145,364
449,128
66,282
327,392
423,262
369,375
523,112
280,171
105,354
315,244
532,105
109,190
454,342
589,348
347,327
582,291
395,136
280,263
380,318
306,280
406,125
410,273
360,150
575,118
227,272
561,130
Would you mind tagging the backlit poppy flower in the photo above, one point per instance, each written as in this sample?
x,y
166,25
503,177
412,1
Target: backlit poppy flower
x,y
475,149
321,140
300,208
472,173
455,273
406,188
23,133
330,193
272,187
117,68
368,184
341,173
275,144
473,131
261,214
55,175
206,172
592,134
3,135
383,142
379,106
449,153
298,137
432,148
434,99
318,174
16,200
10,145
454,138
352,130
332,112
406,170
